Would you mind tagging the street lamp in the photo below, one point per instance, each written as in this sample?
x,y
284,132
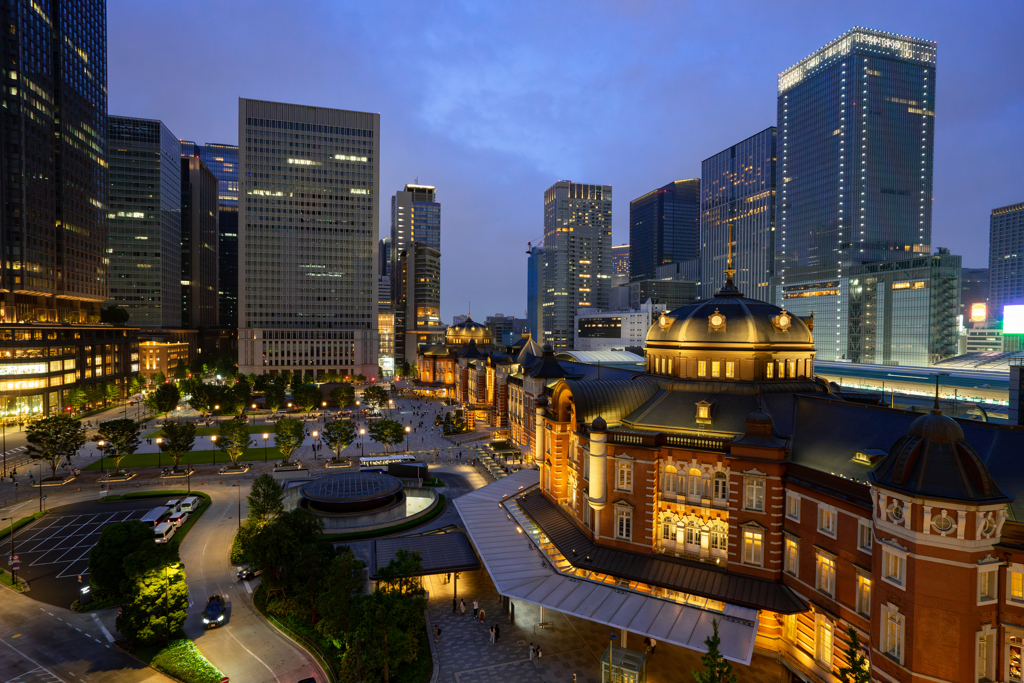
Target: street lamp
x,y
315,434
100,444
213,438
159,449
361,432
265,437
407,430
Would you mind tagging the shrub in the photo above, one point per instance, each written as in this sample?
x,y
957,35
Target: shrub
x,y
182,659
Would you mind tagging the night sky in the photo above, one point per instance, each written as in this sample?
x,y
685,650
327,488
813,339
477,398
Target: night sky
x,y
493,102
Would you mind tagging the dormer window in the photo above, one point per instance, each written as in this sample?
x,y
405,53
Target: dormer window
x,y
704,411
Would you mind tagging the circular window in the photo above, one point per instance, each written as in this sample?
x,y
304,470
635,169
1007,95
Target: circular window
x,y
988,527
943,524
896,512
716,320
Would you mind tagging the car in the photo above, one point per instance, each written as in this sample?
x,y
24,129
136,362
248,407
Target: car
x,y
213,615
246,574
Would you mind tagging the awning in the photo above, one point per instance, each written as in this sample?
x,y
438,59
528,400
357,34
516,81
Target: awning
x,y
522,572
439,553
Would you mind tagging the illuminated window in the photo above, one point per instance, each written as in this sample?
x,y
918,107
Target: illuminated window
x,y
716,368
823,651
863,595
702,368
753,540
730,369
770,370
1015,579
825,574
792,555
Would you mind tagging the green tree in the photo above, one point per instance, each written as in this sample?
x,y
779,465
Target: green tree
x,y
136,385
275,548
113,394
78,399
265,499
233,437
178,439
90,394
856,670
242,393
274,394
54,439
288,435
307,396
343,395
157,605
165,398
106,559
180,370
717,668
159,377
120,438
387,432
114,315
338,604
285,378
199,395
376,397
338,434
260,382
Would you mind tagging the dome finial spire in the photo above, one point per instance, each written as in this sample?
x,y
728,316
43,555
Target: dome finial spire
x,y
730,287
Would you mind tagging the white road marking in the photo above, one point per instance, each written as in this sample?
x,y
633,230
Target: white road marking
x,y
254,656
106,633
40,665
248,588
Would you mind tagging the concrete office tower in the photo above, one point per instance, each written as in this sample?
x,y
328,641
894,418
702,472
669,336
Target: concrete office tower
x,y
738,200
620,265
145,226
1006,258
415,217
199,244
578,251
417,301
384,257
54,175
535,292
307,239
222,160
664,227
856,121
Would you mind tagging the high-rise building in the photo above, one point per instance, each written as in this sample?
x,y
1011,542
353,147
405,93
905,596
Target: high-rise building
x,y
535,291
856,123
199,244
578,255
974,297
664,227
53,234
738,203
415,217
307,239
670,293
417,301
620,265
145,226
384,257
222,160
1006,258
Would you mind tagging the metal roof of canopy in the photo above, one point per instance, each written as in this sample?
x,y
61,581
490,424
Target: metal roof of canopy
x,y
439,553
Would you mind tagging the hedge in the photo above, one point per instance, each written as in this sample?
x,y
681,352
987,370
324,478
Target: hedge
x,y
183,660
5,531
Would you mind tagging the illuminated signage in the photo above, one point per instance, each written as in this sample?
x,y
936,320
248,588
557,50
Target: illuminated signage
x,y
979,312
22,369
1013,319
908,285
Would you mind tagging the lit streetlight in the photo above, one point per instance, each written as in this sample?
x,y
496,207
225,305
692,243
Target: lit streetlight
x,y
159,440
407,430
100,444
265,437
315,434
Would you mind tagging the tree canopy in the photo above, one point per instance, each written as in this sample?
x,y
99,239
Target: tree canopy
x,y
178,438
857,669
265,499
375,396
274,394
164,398
233,437
338,434
343,395
119,438
288,435
106,559
54,439
717,669
387,432
308,396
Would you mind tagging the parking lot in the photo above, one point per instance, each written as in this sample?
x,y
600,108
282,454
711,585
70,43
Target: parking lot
x,y
54,550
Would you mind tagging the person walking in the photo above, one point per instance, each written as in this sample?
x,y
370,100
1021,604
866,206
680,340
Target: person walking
x,y
463,606
492,635
482,617
539,653
476,608
437,633
531,652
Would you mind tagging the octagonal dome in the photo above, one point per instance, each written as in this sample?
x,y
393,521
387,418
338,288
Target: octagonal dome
x,y
731,320
468,330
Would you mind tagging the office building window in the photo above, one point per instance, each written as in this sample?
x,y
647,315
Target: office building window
x,y
702,368
624,524
716,368
1015,583
730,368
624,480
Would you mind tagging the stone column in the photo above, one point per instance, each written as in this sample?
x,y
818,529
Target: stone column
x,y
598,471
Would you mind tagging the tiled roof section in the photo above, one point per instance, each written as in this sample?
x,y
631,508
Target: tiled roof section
x,y
612,399
666,572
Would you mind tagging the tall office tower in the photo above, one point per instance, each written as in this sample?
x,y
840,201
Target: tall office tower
x,y
384,257
307,239
222,160
199,244
535,292
620,265
1006,258
974,296
664,227
578,251
53,237
738,203
145,226
856,121
417,301
415,217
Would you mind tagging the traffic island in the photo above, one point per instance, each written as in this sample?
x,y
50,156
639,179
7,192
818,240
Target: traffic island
x,y
177,474
338,462
290,467
235,469
116,477
55,481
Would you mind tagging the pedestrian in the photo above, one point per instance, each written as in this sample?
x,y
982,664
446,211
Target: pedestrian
x,y
476,608
531,652
437,633
492,634
647,644
448,577
539,653
463,606
654,644
482,617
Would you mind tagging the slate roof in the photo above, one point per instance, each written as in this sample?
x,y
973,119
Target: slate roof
x,y
667,572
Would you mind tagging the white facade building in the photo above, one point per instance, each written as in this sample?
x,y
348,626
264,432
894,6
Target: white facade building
x,y
614,330
307,239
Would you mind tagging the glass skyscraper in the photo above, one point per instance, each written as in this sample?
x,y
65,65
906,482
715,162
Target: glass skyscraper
x,y
144,218
415,218
856,121
307,239
738,194
222,160
1006,258
664,227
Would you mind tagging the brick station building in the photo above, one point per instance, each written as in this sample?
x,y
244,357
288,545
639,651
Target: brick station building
x,y
728,474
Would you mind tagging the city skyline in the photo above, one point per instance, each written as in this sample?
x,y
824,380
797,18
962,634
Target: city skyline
x,y
458,130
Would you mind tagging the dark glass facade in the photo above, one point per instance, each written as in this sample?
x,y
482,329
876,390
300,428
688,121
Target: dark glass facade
x,y
222,160
855,133
54,179
199,238
738,199
664,227
1006,258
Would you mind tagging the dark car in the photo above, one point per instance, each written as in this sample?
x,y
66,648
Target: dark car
x,y
246,574
213,615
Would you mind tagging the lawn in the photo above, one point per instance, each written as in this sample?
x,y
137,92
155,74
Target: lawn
x,y
210,431
138,460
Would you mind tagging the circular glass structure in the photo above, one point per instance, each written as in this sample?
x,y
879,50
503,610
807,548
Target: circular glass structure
x,y
352,492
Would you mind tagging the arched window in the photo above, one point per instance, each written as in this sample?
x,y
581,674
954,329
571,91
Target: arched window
x,y
693,483
721,487
670,483
719,541
692,538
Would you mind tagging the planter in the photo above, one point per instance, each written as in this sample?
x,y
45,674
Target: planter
x,y
117,476
336,462
288,468
180,474
235,469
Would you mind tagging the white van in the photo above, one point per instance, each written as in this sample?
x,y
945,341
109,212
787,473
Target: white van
x,y
163,532
190,504
172,505
178,518
156,516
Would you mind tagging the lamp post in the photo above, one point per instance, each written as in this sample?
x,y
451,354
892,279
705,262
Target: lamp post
x,y
159,441
100,444
407,430
361,432
315,433
188,472
213,438
3,420
265,437
40,485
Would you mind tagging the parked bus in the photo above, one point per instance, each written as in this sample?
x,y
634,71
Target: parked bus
x,y
379,463
163,532
156,516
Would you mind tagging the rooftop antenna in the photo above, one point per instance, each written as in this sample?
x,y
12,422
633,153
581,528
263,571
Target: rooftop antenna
x,y
469,310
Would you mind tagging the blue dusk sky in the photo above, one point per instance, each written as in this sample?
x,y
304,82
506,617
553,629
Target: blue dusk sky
x,y
492,102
